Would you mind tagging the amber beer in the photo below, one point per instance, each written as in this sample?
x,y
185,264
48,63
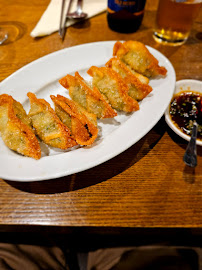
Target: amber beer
x,y
174,20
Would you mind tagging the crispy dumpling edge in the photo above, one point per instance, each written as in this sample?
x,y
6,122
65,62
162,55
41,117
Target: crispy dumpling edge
x,y
154,68
130,77
70,107
34,151
108,111
70,142
131,104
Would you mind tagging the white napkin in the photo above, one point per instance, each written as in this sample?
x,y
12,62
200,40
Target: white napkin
x,y
50,19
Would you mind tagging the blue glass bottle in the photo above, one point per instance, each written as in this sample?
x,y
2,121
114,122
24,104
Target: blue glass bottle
x,y
125,16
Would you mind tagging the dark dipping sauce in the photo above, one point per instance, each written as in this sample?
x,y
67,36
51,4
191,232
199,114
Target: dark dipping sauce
x,y
185,109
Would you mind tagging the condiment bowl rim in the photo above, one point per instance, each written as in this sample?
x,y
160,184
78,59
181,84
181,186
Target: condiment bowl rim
x,y
182,86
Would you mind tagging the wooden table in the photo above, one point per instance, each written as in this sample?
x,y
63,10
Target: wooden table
x,y
147,186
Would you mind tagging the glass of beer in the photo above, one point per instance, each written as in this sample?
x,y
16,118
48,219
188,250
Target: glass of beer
x,y
174,20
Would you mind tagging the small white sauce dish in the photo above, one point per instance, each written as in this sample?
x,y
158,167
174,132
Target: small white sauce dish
x,y
183,85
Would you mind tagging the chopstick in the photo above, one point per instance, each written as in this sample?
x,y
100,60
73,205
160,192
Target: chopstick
x,y
61,28
62,24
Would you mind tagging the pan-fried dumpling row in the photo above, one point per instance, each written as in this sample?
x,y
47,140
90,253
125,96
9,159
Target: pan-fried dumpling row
x,y
122,82
15,128
137,56
88,97
48,126
76,119
117,86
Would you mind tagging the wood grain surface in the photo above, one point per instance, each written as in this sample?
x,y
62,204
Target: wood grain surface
x,y
148,185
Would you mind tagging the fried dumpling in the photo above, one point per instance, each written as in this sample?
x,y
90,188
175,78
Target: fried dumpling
x,y
82,129
142,78
15,128
89,98
111,84
136,89
48,126
137,56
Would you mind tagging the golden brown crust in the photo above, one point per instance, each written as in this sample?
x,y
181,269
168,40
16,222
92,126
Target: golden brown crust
x,y
138,57
82,129
117,62
15,130
92,96
53,132
141,90
117,46
119,88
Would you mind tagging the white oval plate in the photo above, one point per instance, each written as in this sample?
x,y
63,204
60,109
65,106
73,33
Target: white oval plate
x,y
116,135
183,85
